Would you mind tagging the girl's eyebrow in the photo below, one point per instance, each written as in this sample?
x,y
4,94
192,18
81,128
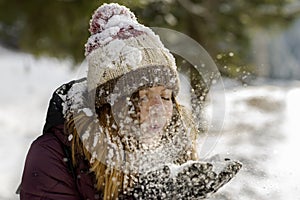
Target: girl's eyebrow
x,y
143,92
166,90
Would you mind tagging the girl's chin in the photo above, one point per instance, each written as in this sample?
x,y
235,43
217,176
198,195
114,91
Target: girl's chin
x,y
151,138
151,133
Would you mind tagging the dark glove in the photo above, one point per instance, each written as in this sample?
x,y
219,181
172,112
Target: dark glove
x,y
155,184
192,180
198,180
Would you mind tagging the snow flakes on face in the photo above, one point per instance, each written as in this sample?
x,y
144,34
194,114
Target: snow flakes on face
x,y
124,152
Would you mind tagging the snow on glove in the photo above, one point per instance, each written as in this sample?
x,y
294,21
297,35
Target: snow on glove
x,y
155,184
198,180
192,180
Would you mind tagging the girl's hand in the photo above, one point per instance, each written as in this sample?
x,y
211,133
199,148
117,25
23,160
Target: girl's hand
x,y
192,180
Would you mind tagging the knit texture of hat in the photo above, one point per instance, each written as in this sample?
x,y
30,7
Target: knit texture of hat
x,y
120,46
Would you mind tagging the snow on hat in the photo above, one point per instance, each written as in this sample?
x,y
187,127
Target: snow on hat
x,y
121,49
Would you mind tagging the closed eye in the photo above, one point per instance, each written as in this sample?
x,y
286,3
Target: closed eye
x,y
166,98
143,98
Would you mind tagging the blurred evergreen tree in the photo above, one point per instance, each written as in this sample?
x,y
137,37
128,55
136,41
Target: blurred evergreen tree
x,y
53,27
60,27
222,27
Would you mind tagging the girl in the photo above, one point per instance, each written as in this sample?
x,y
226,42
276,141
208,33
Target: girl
x,y
116,133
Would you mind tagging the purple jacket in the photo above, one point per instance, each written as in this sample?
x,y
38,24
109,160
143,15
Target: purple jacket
x,y
48,173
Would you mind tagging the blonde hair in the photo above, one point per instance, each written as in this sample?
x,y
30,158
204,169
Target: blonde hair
x,y
111,181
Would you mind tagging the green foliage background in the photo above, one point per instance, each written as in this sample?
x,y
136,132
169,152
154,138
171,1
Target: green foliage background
x,y
59,28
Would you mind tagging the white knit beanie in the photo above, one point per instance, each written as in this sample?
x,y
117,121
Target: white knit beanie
x,y
120,49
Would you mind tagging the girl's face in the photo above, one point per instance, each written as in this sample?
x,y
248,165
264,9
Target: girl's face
x,y
156,107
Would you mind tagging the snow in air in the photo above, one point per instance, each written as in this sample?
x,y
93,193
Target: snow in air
x,y
261,128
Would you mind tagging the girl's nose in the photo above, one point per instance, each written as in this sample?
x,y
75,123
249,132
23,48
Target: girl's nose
x,y
155,100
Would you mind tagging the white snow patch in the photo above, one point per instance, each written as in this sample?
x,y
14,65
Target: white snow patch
x,y
85,136
70,137
26,86
88,112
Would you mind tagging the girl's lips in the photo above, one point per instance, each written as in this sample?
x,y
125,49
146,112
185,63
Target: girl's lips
x,y
156,127
151,131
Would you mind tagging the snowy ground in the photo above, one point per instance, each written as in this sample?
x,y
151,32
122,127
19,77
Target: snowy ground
x,y
260,129
26,86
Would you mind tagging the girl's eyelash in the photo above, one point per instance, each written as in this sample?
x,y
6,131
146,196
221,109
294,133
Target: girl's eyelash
x,y
166,98
143,98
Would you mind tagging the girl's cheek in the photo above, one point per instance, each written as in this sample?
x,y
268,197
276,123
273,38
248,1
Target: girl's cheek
x,y
143,113
169,109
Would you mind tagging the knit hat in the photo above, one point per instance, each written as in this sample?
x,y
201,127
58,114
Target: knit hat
x,y
124,56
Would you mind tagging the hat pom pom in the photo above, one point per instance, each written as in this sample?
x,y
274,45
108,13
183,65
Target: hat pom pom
x,y
104,13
